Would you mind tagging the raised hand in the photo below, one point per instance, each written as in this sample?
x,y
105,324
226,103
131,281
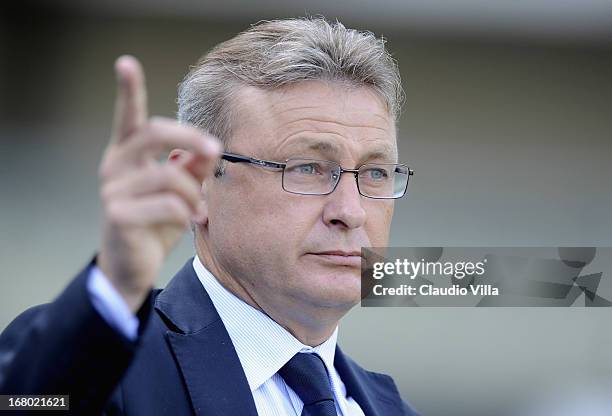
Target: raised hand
x,y
147,205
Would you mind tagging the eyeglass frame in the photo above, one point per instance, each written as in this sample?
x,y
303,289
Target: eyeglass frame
x,y
236,158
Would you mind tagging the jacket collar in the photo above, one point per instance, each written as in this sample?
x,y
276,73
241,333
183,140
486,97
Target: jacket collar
x,y
210,366
203,349
376,394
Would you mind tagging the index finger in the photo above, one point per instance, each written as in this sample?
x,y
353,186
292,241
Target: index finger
x,y
131,102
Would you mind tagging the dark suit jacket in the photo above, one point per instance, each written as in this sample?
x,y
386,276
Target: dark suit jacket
x,y
183,362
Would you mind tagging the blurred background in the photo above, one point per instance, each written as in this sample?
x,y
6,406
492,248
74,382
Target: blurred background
x,y
507,123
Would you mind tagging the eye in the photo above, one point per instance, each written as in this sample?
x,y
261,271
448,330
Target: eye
x,y
376,174
306,169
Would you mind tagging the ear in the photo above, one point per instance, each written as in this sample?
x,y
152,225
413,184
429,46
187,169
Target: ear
x,y
186,160
201,218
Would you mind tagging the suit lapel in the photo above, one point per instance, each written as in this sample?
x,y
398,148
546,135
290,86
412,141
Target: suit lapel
x,y
203,349
355,384
375,393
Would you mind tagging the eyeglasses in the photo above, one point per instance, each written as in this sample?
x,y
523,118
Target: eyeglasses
x,y
321,177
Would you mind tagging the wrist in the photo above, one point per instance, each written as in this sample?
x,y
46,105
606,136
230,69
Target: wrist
x,y
132,293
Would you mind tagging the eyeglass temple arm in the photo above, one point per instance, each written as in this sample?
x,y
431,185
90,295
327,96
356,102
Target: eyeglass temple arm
x,y
231,157
234,158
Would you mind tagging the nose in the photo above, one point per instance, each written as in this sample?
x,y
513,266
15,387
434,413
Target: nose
x,y
344,206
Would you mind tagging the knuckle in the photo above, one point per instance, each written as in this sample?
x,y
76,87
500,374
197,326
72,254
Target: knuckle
x,y
106,193
170,169
114,212
148,129
176,208
169,176
155,140
105,170
153,126
103,173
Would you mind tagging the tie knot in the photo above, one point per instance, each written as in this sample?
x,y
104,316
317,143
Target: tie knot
x,y
306,374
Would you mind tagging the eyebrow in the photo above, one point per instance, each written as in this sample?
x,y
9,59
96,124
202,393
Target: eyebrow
x,y
325,146
319,145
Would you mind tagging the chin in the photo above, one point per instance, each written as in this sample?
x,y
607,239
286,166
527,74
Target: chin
x,y
339,289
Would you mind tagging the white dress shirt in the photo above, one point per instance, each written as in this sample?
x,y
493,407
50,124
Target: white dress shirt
x,y
109,303
262,345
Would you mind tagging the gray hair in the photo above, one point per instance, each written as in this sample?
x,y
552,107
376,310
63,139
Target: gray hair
x,y
273,54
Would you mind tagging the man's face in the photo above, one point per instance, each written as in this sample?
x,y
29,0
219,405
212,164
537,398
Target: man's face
x,y
268,240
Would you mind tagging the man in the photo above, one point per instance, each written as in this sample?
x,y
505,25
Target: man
x,y
306,112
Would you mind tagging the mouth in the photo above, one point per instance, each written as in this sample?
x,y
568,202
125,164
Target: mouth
x,y
339,257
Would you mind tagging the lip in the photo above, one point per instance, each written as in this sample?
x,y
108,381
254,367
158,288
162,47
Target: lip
x,y
339,257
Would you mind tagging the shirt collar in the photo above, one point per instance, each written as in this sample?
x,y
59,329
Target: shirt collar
x,y
262,345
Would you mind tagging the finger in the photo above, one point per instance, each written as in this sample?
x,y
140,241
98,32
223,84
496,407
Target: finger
x,y
157,179
131,102
162,135
198,167
155,209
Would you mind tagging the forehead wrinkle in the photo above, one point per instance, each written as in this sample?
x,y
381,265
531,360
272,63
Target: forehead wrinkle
x,y
279,120
315,112
312,120
307,89
280,117
284,108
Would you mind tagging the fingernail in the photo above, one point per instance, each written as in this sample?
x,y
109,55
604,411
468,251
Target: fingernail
x,y
120,64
